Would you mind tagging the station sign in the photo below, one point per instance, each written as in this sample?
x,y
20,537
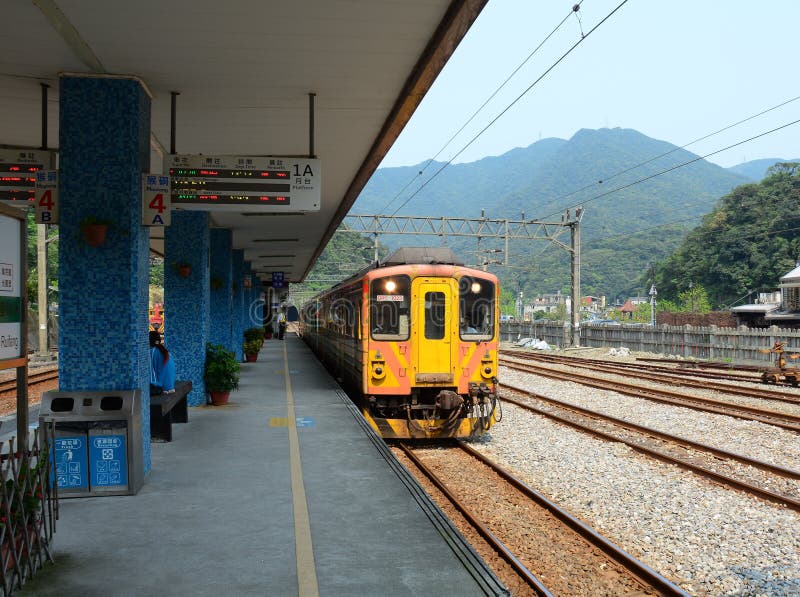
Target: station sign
x,y
18,168
12,266
156,201
46,197
245,183
278,280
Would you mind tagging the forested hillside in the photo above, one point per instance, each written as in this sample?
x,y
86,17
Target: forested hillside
x,y
749,240
633,216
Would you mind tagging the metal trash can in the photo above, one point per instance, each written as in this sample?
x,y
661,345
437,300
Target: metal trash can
x,y
98,441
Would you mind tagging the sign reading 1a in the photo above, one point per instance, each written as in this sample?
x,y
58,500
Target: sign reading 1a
x,y
156,201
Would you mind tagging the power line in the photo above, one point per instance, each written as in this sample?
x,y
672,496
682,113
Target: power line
x,y
681,165
507,108
573,10
703,138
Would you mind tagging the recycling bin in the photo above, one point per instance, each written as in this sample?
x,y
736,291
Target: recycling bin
x,y
98,441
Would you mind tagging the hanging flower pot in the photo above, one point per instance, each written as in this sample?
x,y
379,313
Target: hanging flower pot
x,y
94,234
184,269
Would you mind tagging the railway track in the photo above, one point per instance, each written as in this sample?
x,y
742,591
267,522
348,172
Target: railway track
x,y
721,466
770,417
553,552
667,375
37,377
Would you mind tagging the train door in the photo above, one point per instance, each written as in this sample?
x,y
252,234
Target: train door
x,y
433,321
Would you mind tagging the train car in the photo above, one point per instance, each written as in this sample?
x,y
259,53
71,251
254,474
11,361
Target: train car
x,y
414,339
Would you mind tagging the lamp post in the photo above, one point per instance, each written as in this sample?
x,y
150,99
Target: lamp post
x,y
653,294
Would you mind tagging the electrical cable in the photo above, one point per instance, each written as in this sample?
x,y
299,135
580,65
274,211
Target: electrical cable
x,y
573,10
681,165
507,108
703,138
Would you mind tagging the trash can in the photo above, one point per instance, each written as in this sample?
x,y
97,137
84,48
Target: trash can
x,y
98,441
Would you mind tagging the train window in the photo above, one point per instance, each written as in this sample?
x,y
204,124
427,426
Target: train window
x,y
435,314
476,308
390,299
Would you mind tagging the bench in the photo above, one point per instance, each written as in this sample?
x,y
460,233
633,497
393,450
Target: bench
x,y
166,409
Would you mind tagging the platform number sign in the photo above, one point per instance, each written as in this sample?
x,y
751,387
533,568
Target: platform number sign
x,y
46,197
156,201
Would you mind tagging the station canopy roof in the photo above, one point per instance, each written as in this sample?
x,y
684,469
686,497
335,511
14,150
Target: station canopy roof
x,y
244,71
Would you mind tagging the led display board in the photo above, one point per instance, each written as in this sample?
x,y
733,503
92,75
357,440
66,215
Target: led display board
x,y
244,183
18,168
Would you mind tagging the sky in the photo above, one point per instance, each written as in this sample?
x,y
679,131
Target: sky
x,y
675,70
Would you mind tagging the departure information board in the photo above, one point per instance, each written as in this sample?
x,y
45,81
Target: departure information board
x,y
244,183
18,168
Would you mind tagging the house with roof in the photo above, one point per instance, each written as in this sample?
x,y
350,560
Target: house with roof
x,y
780,308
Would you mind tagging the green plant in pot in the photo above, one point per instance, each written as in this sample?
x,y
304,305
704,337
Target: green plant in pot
x,y
94,230
221,373
251,348
254,334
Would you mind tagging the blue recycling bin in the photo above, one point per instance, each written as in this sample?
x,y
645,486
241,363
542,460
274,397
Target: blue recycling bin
x,y
97,448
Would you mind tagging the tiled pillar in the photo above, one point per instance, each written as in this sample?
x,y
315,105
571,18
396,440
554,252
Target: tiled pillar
x,y
221,331
238,302
186,300
104,148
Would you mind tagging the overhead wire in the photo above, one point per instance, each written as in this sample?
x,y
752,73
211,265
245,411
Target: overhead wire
x,y
644,163
573,10
509,106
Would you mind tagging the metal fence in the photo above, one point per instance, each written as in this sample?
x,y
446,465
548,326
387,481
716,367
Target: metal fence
x,y
734,345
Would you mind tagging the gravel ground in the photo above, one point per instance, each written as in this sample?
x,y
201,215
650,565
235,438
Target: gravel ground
x,y
706,538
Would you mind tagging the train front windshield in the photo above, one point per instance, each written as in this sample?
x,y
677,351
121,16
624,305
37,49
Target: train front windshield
x,y
476,308
390,300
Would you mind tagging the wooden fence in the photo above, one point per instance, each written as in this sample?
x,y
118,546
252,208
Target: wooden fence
x,y
733,345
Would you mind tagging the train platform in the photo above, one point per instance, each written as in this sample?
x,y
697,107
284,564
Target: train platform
x,y
285,491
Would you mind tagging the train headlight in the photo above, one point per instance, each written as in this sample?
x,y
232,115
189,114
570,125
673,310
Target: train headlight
x,y
390,286
476,288
487,370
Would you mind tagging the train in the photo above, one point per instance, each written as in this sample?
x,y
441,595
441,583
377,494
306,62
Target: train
x,y
414,339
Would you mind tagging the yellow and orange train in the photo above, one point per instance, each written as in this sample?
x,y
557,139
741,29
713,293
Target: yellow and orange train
x,y
414,338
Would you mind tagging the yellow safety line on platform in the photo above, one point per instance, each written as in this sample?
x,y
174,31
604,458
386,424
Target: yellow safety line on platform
x,y
304,552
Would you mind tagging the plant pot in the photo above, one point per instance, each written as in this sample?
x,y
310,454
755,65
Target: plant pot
x,y
220,398
94,234
184,271
251,357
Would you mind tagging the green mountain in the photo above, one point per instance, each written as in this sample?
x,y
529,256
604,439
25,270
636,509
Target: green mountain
x,y
639,204
749,240
755,170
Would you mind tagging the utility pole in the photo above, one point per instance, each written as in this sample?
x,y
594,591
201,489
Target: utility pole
x,y
575,252
41,262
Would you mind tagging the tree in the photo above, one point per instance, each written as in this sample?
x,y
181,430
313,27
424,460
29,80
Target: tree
x,y
694,300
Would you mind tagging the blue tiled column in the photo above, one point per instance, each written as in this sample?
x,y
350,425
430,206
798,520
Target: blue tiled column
x,y
186,300
238,302
221,331
104,147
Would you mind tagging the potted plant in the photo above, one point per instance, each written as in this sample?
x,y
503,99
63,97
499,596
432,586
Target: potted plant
x,y
254,334
184,269
221,373
94,230
251,348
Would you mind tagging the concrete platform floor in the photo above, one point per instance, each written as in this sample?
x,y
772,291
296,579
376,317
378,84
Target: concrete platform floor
x,y
279,493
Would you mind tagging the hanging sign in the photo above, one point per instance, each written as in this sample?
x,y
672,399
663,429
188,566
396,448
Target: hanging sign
x,y
156,201
245,183
278,280
11,288
18,168
46,202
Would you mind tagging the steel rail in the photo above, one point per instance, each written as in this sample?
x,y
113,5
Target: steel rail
x,y
10,385
785,421
538,587
662,374
641,570
724,479
641,366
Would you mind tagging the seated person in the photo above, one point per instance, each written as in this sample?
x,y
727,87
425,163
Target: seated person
x,y
162,367
466,327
